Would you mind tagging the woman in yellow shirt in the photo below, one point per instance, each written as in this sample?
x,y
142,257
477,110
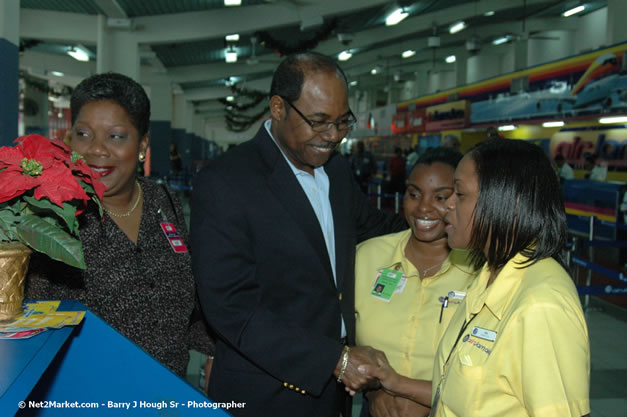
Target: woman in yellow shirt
x,y
518,344
409,284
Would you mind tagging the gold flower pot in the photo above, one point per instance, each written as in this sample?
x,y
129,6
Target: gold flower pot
x,y
14,258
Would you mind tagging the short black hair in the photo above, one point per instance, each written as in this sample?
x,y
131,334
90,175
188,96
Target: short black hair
x,y
119,89
519,208
559,157
289,77
442,154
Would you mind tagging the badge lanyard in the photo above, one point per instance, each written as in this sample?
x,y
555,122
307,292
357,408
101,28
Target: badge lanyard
x,y
436,397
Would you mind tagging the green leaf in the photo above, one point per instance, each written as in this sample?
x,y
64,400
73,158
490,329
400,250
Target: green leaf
x,y
52,240
67,213
8,220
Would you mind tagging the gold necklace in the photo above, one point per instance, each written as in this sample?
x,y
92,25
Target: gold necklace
x,y
128,213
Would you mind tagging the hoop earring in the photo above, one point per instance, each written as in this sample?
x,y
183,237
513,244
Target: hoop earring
x,y
142,156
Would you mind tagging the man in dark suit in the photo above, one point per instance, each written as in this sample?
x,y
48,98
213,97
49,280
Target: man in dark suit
x,y
275,222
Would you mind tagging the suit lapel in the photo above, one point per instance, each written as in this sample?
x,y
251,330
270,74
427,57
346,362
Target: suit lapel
x,y
288,191
337,190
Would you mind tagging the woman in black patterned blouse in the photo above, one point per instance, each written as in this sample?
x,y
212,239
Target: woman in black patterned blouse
x,y
137,279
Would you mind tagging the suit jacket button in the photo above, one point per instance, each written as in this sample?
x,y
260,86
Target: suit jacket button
x,y
285,384
303,392
340,297
291,386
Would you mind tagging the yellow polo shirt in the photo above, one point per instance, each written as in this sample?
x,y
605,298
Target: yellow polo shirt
x,y
524,353
408,327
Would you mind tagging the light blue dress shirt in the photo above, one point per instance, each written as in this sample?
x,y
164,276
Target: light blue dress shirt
x,y
316,187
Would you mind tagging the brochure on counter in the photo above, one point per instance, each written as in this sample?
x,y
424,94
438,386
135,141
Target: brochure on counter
x,y
38,317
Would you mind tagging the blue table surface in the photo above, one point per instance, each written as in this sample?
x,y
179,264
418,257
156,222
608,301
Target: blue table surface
x,y
24,361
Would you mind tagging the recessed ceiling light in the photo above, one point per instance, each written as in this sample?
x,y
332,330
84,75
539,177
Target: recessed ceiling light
x,y
344,56
57,73
230,98
232,38
506,128
374,71
408,53
395,17
490,13
450,59
230,56
232,2
457,27
79,53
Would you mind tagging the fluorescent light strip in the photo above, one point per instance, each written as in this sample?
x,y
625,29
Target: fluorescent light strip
x,y
610,120
457,27
232,38
450,59
396,17
553,124
490,13
506,128
408,53
230,98
501,40
573,11
232,2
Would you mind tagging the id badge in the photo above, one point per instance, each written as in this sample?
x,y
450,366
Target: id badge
x,y
386,284
173,237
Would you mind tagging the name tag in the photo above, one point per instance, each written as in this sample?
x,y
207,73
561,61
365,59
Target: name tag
x,y
173,237
485,334
457,295
387,283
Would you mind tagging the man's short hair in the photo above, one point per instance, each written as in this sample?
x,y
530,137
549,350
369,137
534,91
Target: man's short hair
x,y
519,208
289,77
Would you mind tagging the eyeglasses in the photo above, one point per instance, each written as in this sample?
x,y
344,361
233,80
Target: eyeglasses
x,y
320,126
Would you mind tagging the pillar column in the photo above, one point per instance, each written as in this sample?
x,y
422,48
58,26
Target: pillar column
x,y
9,70
616,15
118,51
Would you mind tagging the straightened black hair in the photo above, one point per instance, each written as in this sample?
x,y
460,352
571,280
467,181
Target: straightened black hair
x,y
289,77
119,89
519,208
440,154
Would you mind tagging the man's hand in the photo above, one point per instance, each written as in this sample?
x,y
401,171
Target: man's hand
x,y
353,379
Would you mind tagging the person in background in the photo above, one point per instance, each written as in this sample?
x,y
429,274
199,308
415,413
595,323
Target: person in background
x,y
176,163
518,345
452,141
137,280
275,223
564,170
595,171
397,172
430,282
363,166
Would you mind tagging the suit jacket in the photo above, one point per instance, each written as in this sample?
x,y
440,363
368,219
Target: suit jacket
x,y
265,281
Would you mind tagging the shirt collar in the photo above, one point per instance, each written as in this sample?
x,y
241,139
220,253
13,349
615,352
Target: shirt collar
x,y
295,170
455,259
497,296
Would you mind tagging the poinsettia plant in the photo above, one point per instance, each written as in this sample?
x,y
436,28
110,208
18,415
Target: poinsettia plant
x,y
44,185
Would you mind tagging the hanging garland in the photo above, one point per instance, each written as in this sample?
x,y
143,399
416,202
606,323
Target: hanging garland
x,y
282,48
235,120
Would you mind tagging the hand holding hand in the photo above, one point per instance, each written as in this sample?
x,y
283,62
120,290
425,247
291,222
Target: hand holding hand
x,y
353,379
381,371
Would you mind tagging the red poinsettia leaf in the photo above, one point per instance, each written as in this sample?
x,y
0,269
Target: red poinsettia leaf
x,y
39,148
13,184
59,185
11,157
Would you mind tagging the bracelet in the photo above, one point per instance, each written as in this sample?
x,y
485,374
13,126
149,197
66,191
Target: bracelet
x,y
344,364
